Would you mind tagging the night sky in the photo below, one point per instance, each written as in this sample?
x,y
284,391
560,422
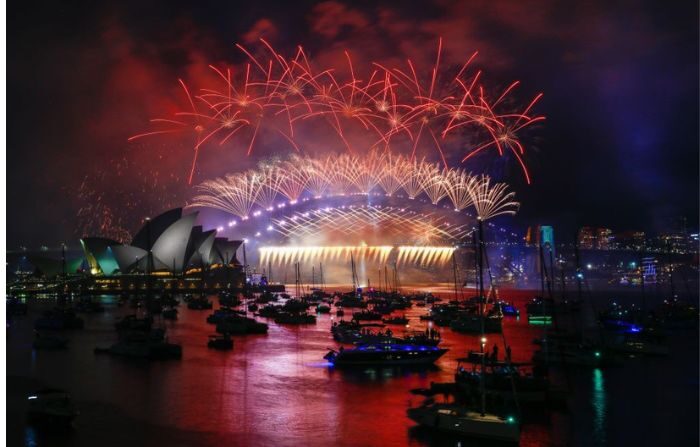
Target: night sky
x,y
619,147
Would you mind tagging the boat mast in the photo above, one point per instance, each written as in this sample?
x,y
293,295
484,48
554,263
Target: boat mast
x,y
323,282
454,270
481,315
352,270
544,305
245,271
386,278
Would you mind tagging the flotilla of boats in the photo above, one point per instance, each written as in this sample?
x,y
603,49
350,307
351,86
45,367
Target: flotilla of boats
x,y
488,392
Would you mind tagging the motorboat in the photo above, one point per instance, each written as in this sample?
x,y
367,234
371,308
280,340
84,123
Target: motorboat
x,y
269,311
506,309
396,320
222,314
459,419
323,309
383,354
51,407
295,318
240,325
151,345
229,299
500,377
636,344
539,306
199,303
294,305
351,301
366,315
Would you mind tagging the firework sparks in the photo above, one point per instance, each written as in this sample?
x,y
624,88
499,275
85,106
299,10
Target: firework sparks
x,y
387,104
491,200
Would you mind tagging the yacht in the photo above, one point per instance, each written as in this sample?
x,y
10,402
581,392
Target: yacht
x,y
383,354
454,418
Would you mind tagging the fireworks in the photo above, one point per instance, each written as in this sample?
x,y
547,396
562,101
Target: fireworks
x,y
491,200
346,174
387,104
369,223
286,255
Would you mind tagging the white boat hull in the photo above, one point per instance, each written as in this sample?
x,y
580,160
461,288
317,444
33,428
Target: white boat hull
x,y
468,424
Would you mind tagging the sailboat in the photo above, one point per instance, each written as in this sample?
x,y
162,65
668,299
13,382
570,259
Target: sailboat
x,y
457,418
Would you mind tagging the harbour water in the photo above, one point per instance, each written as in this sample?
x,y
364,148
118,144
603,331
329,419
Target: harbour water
x,y
276,389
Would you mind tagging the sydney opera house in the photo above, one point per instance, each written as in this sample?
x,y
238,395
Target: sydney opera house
x,y
169,248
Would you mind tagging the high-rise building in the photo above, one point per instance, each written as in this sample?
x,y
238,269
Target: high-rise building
x,y
630,240
586,238
674,242
649,270
592,238
603,238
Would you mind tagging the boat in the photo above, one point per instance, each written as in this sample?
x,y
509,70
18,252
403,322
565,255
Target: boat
x,y
49,341
396,320
222,314
229,300
366,315
351,301
499,378
539,306
383,309
269,311
266,298
458,419
240,325
430,337
151,345
200,303
636,343
382,354
507,309
51,407
221,342
295,318
294,305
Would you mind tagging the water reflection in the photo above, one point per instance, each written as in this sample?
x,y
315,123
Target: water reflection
x,y
599,402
